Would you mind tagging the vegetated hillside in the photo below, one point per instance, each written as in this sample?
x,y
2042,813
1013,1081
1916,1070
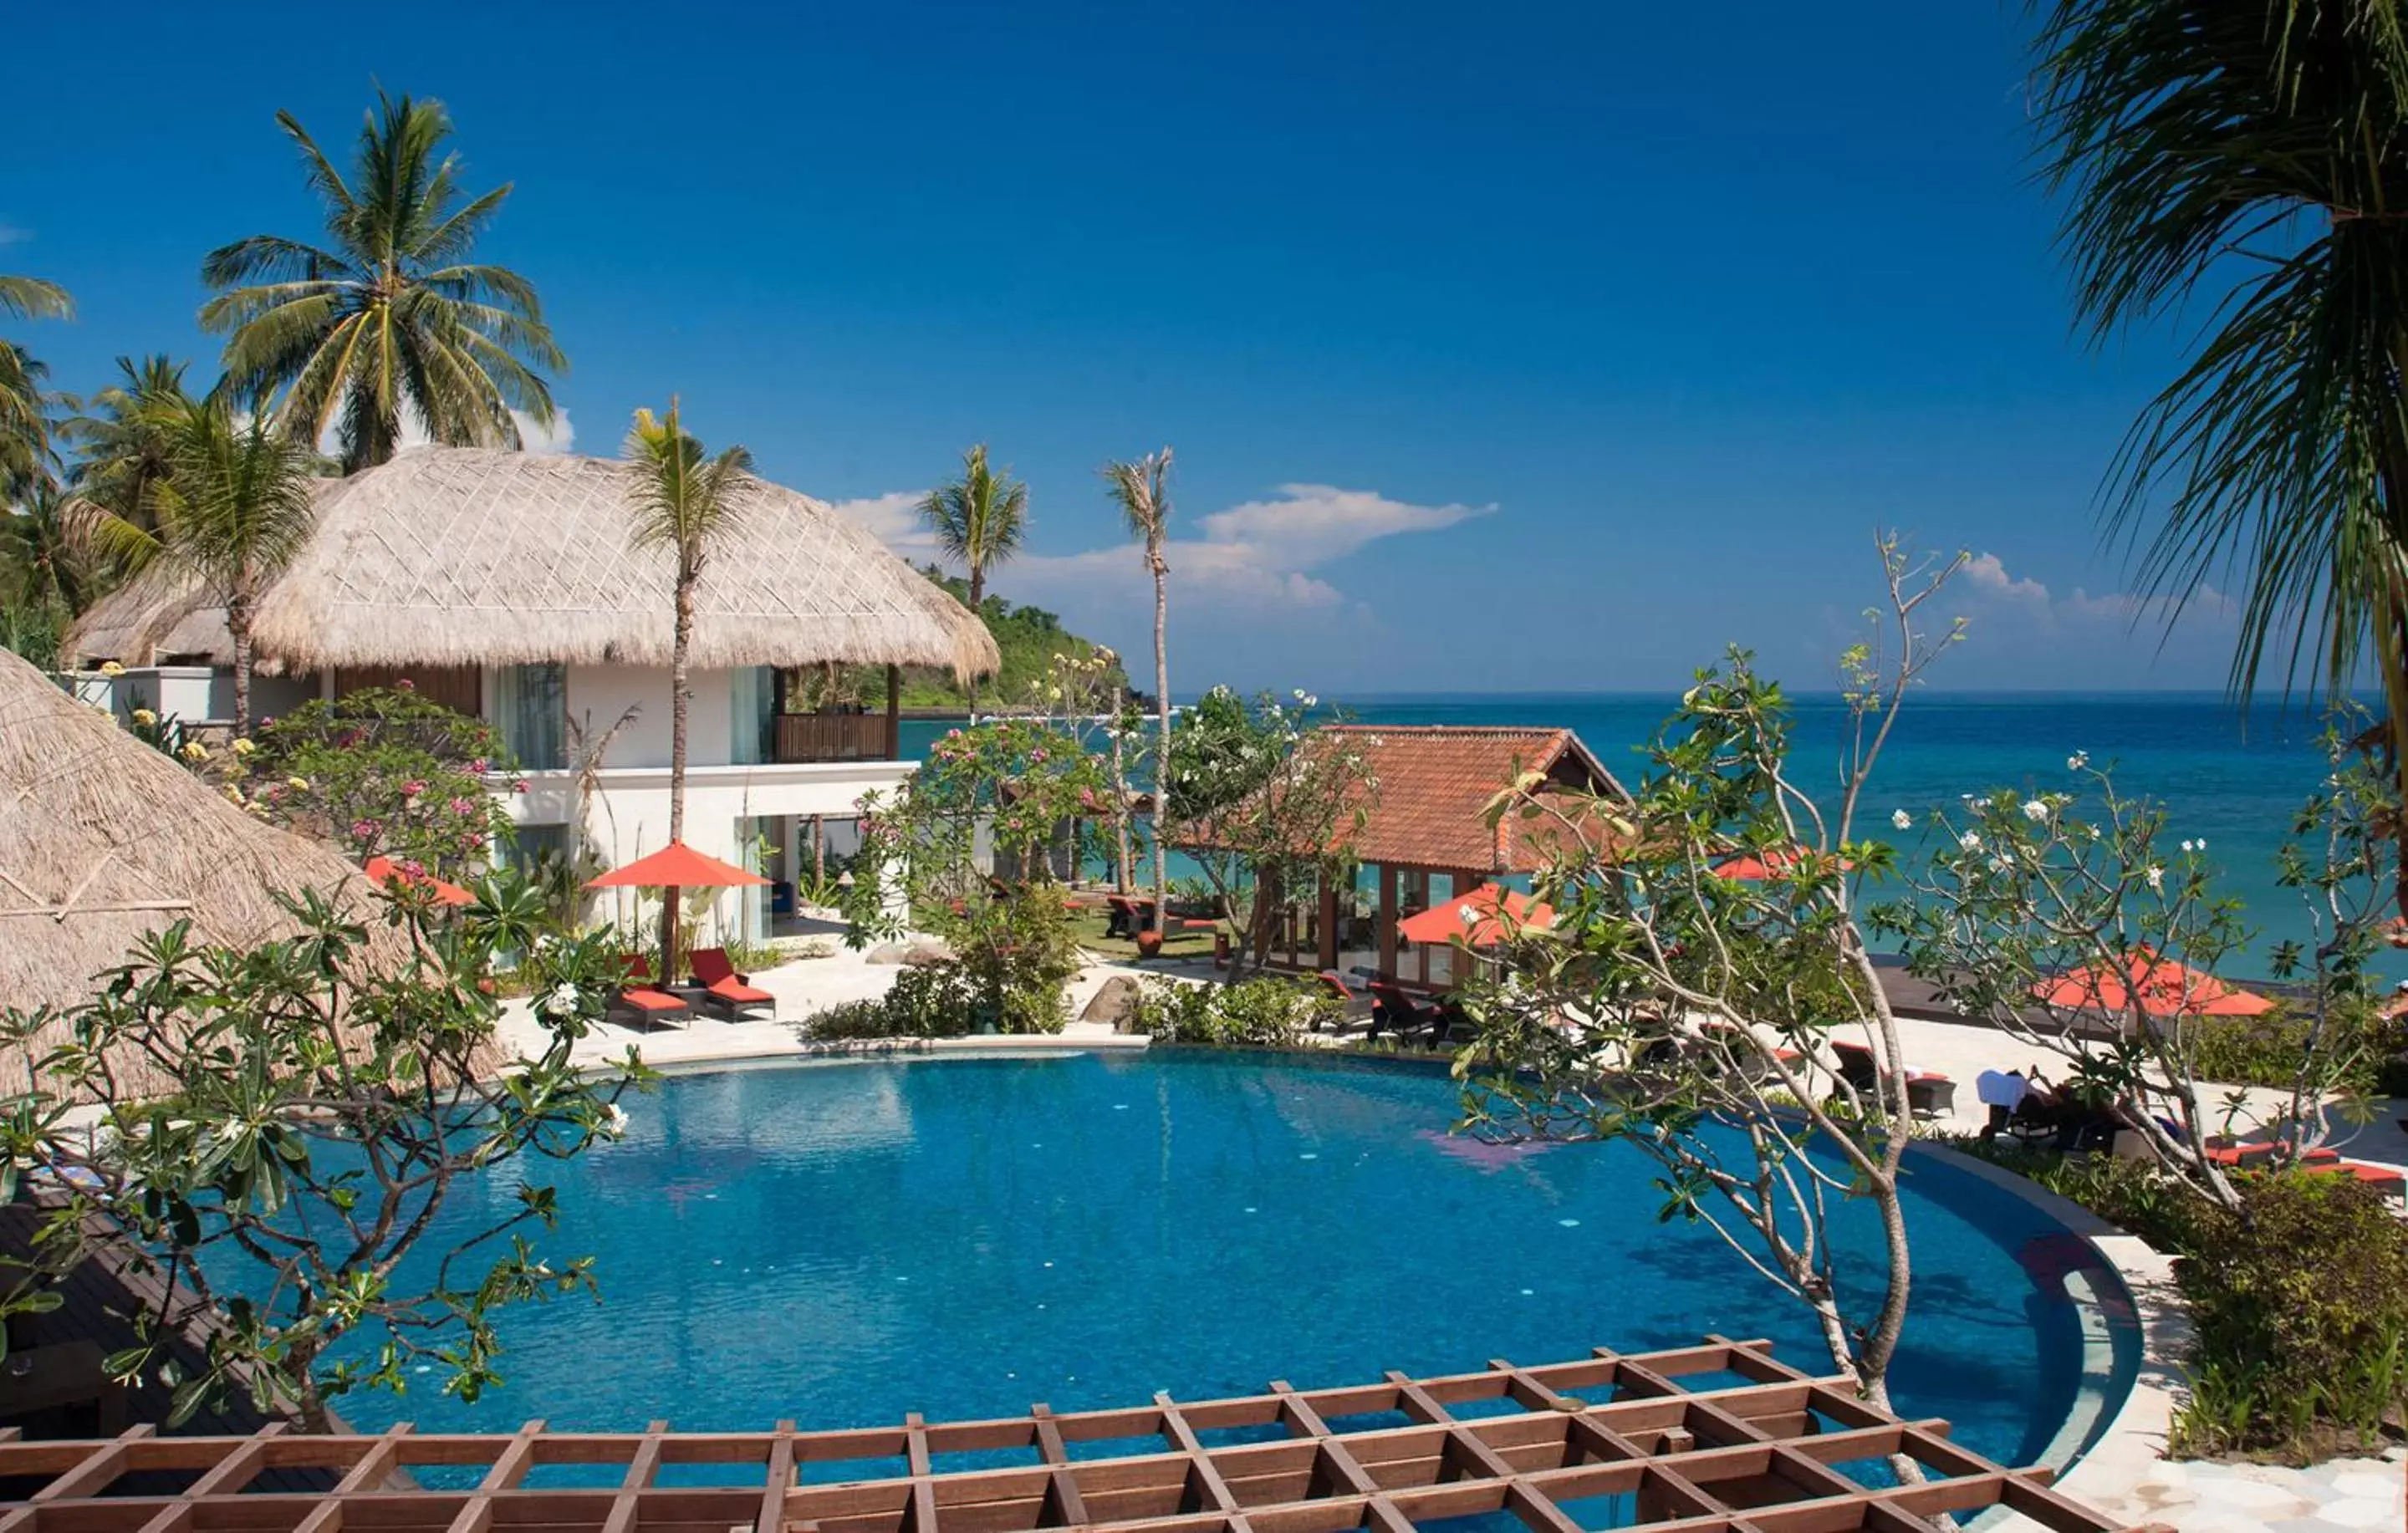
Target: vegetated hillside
x,y
1029,637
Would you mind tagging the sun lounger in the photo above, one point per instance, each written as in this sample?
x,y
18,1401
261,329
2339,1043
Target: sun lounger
x,y
1357,1004
725,990
1394,1011
637,1001
1929,1093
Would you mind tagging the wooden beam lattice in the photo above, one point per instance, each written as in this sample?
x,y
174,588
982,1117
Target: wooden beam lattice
x,y
1651,1441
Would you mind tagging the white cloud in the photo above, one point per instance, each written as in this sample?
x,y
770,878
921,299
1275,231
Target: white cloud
x,y
1258,553
10,234
1992,587
894,519
560,436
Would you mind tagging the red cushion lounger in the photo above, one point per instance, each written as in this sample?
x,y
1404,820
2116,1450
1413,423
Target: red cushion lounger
x,y
725,988
638,995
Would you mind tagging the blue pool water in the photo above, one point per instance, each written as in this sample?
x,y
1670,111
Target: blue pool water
x,y
838,1244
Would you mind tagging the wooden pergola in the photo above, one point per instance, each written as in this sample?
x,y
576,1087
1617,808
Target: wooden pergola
x,y
1427,820
1714,1439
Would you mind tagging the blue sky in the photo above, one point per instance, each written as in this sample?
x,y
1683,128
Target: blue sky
x,y
1510,347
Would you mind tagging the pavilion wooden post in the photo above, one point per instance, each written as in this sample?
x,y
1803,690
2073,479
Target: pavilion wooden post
x,y
1328,918
893,712
1387,921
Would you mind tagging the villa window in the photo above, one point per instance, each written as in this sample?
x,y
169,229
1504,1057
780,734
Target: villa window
x,y
753,691
531,706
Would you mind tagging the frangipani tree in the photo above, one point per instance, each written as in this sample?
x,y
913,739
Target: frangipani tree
x,y
2073,920
1695,1017
332,1099
1271,806
1016,787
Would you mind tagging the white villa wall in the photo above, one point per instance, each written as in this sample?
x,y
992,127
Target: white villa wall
x,y
597,694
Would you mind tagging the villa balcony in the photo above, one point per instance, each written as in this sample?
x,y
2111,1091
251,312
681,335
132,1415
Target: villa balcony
x,y
795,737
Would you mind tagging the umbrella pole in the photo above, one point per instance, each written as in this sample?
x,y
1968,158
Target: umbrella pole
x,y
669,936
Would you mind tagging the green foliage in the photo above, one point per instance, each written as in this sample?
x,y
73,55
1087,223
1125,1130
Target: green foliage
x,y
381,772
392,313
2270,1051
934,1000
1275,804
24,406
2298,1298
1258,1013
2299,1302
328,1094
1029,638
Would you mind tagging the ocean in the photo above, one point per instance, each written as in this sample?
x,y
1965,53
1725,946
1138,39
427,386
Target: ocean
x,y
2235,783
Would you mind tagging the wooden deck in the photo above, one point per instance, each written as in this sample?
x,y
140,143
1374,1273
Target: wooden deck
x,y
1746,1445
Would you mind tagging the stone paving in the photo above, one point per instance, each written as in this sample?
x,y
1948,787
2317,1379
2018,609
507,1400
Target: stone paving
x,y
2346,1495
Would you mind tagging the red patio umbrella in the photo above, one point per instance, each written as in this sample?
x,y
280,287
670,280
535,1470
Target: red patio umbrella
x,y
2163,987
392,875
675,866
1772,863
1474,916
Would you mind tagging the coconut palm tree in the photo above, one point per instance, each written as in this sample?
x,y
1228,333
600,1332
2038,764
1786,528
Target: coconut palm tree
x,y
977,520
687,502
235,509
24,419
2182,135
124,440
391,312
42,569
1143,492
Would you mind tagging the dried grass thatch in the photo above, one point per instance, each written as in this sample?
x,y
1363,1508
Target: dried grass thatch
x,y
166,610
103,840
471,556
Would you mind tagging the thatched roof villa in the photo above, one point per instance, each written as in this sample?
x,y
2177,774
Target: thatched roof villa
x,y
104,840
509,585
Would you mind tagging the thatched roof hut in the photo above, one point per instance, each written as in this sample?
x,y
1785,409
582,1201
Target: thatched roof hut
x,y
470,556
103,840
166,613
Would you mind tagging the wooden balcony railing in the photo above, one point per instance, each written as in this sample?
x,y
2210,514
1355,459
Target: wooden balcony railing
x,y
832,737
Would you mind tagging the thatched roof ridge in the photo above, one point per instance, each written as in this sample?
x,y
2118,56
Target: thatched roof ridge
x,y
128,843
165,610
477,556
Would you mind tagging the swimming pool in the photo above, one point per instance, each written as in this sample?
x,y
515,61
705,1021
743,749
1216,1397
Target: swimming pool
x,y
961,1234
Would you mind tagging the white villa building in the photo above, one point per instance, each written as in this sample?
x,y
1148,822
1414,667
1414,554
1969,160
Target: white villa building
x,y
507,585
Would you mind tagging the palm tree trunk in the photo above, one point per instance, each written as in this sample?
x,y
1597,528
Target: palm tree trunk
x,y
1161,740
678,695
977,593
1120,799
238,628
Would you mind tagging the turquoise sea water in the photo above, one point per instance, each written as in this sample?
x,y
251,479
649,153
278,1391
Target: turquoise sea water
x,y
838,1244
2236,785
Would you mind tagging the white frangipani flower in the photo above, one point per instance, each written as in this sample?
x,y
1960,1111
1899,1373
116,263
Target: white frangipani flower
x,y
1971,840
2035,810
562,998
614,1120
2077,761
1903,820
2156,876
2187,846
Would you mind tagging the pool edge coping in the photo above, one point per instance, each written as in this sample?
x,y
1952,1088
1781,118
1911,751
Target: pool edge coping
x,y
2133,1442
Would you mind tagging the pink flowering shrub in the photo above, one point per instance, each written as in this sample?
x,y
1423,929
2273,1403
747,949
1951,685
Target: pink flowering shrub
x,y
384,773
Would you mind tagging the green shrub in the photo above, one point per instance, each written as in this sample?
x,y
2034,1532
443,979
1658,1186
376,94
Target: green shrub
x,y
2131,1195
938,1000
1259,1013
2267,1051
2299,1303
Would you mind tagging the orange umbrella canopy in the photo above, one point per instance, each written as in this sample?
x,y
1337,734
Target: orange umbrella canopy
x,y
1773,863
392,874
1474,917
2163,988
678,865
